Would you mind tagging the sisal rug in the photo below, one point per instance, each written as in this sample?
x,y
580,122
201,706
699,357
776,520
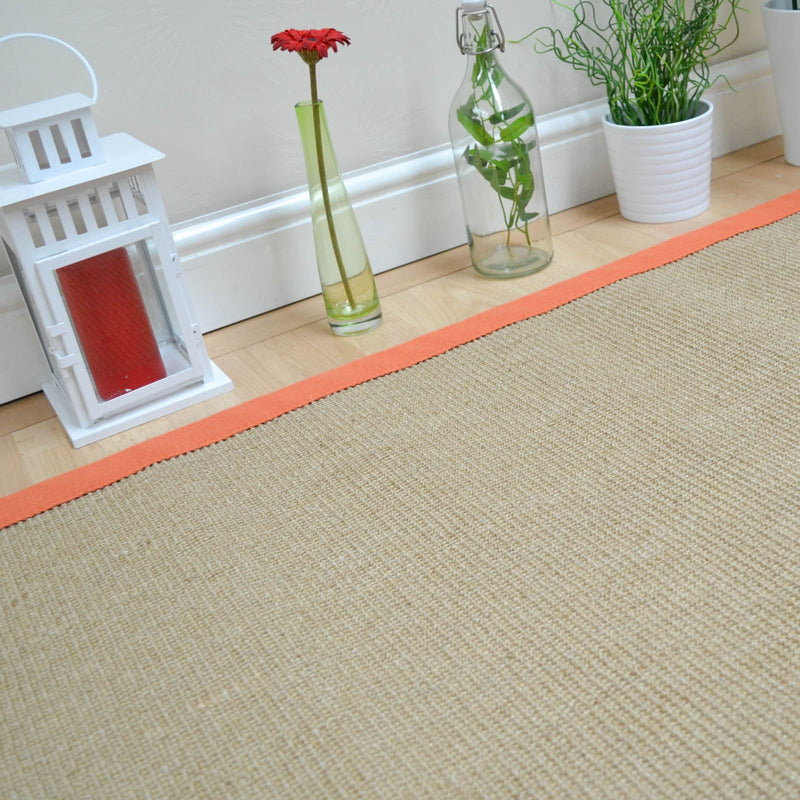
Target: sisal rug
x,y
551,552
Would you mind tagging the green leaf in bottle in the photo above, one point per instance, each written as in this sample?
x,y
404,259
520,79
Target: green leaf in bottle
x,y
474,126
505,114
516,128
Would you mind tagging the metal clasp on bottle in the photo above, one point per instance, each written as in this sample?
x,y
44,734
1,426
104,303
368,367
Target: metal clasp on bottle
x,y
498,39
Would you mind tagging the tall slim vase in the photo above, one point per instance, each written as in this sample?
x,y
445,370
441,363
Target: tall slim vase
x,y
348,285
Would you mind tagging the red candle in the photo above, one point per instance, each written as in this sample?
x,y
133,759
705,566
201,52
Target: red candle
x,y
111,322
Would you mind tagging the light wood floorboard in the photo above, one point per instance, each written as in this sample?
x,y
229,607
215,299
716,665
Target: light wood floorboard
x,y
292,343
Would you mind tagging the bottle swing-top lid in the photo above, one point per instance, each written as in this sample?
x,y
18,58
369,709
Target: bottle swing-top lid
x,y
475,9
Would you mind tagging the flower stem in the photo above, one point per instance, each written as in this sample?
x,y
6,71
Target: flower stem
x,y
323,179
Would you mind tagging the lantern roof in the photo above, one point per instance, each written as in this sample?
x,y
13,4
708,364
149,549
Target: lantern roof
x,y
123,153
44,109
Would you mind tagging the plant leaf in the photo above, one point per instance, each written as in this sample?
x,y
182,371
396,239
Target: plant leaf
x,y
516,128
506,114
474,127
526,190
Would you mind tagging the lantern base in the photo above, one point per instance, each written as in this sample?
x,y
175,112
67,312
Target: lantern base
x,y
219,384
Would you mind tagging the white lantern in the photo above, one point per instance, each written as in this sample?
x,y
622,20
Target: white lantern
x,y
84,227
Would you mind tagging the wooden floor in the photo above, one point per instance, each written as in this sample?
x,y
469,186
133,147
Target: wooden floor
x,y
292,343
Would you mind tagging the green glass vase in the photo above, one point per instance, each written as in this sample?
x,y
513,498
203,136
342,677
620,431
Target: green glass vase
x,y
348,285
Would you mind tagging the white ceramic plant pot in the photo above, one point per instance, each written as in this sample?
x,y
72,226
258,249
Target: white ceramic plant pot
x,y
782,28
662,173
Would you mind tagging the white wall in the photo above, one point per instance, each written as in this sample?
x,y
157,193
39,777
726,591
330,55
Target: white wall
x,y
198,80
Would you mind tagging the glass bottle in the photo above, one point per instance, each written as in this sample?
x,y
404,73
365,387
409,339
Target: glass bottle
x,y
495,147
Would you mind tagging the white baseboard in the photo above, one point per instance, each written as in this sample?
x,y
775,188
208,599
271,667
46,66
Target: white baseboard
x,y
23,367
243,261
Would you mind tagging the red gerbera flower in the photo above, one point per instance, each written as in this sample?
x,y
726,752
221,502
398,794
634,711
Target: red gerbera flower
x,y
312,45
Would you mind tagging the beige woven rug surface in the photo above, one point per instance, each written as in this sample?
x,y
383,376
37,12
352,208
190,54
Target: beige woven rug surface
x,y
562,561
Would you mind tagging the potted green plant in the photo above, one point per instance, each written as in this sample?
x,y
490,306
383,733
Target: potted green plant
x,y
652,58
782,30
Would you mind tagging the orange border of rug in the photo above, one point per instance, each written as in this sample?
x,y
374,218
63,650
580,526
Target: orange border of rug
x,y
224,424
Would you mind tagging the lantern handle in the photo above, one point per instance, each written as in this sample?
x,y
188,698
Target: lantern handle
x,y
57,41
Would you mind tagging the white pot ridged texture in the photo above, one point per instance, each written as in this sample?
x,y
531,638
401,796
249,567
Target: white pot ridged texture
x,y
782,29
662,173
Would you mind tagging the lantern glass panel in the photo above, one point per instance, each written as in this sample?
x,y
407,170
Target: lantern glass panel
x,y
152,280
38,324
125,326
